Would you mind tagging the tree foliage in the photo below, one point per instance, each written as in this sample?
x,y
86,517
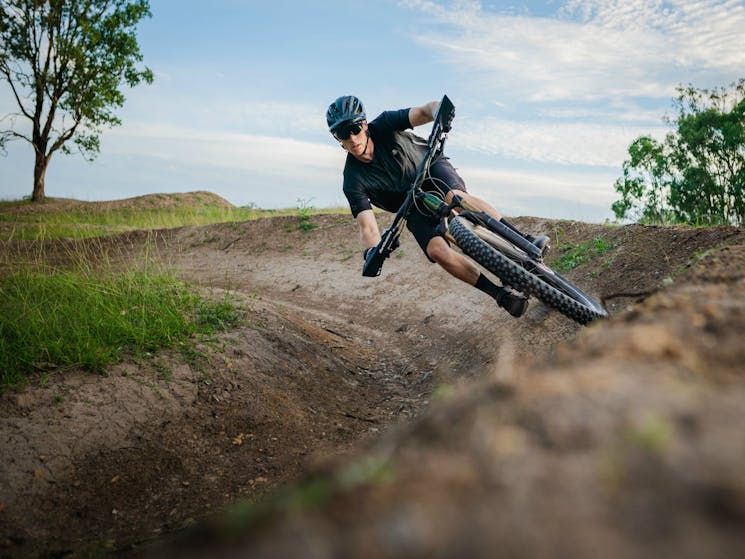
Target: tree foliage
x,y
697,173
64,61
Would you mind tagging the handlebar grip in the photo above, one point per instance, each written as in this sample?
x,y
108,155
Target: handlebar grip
x,y
445,114
373,263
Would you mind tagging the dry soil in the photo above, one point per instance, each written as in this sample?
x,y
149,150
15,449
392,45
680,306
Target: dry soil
x,y
398,416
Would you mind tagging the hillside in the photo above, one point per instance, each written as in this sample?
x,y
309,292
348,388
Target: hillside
x,y
410,415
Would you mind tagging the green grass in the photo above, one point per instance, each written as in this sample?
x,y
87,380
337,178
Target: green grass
x,y
51,320
84,312
571,257
84,223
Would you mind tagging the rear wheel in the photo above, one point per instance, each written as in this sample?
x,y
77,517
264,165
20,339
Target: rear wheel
x,y
526,275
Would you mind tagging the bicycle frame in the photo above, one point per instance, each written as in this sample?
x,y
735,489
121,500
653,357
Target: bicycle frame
x,y
436,143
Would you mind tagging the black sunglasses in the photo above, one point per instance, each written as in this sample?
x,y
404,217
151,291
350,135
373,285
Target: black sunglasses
x,y
347,130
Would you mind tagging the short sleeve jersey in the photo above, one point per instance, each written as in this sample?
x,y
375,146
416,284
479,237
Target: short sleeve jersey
x,y
385,181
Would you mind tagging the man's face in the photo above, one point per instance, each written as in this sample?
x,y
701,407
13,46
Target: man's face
x,y
354,143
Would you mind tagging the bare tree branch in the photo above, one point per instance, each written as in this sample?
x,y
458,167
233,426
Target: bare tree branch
x,y
14,135
6,72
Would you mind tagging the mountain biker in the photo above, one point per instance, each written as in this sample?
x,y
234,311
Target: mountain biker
x,y
382,158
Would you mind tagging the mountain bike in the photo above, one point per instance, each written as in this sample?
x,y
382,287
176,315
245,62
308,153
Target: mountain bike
x,y
517,262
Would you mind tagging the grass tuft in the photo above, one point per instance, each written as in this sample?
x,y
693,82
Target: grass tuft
x,y
89,317
87,223
573,257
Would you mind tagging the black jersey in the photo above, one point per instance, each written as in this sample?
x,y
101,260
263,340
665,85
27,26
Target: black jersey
x,y
384,181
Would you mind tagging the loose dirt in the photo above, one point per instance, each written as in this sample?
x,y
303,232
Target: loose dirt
x,y
400,416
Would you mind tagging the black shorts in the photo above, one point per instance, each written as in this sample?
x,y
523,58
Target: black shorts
x,y
422,224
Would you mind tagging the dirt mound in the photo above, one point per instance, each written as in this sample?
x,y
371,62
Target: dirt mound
x,y
626,443
532,436
146,202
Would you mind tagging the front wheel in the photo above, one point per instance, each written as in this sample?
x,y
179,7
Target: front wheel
x,y
528,276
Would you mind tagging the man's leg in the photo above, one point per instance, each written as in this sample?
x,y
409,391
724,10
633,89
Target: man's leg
x,y
477,203
542,242
446,179
455,264
459,266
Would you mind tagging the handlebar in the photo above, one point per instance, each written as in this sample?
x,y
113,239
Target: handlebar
x,y
443,123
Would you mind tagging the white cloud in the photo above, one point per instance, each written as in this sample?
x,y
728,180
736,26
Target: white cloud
x,y
568,185
272,117
138,158
225,111
267,155
565,194
619,111
701,33
566,143
586,80
592,49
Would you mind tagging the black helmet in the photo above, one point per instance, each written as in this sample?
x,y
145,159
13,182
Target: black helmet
x,y
346,109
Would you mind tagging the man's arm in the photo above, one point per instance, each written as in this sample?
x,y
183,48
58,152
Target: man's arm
x,y
369,231
424,114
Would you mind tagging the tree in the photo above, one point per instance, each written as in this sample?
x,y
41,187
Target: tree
x,y
65,61
697,174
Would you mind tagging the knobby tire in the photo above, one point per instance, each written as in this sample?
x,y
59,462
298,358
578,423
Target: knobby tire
x,y
574,304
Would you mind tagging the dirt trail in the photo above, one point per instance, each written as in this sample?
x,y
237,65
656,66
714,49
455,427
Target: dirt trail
x,y
485,432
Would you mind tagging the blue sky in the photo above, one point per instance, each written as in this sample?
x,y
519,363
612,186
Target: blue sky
x,y
548,95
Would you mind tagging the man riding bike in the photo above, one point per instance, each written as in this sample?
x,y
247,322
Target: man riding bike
x,y
381,164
